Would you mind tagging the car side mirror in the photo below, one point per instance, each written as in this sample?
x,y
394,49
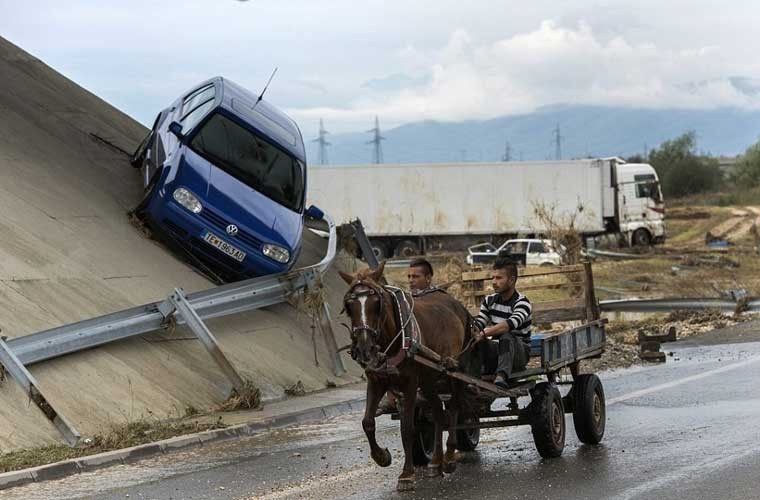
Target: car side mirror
x,y
315,212
176,129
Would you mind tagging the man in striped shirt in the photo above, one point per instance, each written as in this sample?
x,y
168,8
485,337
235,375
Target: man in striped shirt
x,y
506,316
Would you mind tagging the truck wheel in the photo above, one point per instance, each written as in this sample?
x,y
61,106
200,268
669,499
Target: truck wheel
x,y
380,249
407,248
589,412
641,238
424,438
547,420
468,439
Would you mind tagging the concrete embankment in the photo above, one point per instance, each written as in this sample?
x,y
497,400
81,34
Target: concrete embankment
x,y
68,252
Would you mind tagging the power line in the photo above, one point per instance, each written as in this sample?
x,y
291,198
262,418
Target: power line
x,y
322,143
377,154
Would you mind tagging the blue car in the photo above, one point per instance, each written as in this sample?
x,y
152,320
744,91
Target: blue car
x,y
225,179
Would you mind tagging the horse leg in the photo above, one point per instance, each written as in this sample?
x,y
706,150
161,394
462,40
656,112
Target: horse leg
x,y
375,391
433,469
406,479
450,458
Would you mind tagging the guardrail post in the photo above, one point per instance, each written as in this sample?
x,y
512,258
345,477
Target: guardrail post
x,y
361,239
183,307
27,382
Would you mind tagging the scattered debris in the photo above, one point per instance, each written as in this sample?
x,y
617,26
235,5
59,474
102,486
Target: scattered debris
x,y
296,389
249,398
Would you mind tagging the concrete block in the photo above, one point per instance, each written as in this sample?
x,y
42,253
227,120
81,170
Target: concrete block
x,y
104,459
255,427
15,478
313,415
337,410
218,435
55,471
179,442
139,452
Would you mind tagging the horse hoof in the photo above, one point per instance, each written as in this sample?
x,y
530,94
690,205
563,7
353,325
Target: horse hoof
x,y
449,467
383,458
433,471
405,484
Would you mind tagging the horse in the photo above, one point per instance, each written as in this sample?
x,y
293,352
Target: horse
x,y
376,340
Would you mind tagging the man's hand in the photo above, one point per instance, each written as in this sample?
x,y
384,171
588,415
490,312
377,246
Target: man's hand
x,y
478,336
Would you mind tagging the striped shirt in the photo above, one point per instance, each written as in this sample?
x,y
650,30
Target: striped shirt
x,y
515,310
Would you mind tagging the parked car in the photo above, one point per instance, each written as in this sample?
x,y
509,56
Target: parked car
x,y
527,252
225,178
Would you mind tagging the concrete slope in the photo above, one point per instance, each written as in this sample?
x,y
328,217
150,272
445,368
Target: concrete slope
x,y
68,253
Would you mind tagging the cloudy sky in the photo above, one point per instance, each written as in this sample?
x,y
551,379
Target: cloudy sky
x,y
347,61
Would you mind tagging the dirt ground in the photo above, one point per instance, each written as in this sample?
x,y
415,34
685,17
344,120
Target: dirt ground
x,y
686,266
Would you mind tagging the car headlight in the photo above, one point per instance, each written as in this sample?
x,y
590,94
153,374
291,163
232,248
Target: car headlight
x,y
276,252
187,200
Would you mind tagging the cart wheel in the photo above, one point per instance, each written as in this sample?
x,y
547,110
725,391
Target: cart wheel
x,y
468,439
424,440
547,420
589,412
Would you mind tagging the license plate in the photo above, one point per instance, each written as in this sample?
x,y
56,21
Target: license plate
x,y
225,247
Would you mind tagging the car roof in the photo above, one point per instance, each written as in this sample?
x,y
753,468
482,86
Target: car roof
x,y
264,117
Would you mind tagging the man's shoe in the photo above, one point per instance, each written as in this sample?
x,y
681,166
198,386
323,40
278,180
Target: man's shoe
x,y
501,381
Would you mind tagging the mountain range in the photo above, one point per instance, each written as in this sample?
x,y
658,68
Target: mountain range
x,y
583,131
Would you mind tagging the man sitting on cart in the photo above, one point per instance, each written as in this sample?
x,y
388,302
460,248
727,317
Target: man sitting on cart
x,y
504,316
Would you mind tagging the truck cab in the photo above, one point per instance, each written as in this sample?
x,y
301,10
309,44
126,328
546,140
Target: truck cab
x,y
640,206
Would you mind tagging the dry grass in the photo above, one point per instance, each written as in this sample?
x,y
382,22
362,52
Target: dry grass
x,y
247,399
145,430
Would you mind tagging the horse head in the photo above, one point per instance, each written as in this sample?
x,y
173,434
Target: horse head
x,y
369,306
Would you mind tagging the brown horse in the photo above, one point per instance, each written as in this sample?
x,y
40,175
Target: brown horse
x,y
375,339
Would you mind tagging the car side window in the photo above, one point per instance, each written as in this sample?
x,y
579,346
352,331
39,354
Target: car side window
x,y
195,116
197,98
537,248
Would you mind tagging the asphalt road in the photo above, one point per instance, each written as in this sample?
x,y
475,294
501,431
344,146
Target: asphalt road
x,y
686,429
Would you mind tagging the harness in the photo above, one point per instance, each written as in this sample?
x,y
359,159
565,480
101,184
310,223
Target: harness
x,y
409,329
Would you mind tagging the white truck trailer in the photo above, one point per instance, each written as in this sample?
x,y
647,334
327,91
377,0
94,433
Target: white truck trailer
x,y
414,208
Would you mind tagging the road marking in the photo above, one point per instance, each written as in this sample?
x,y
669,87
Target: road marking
x,y
685,380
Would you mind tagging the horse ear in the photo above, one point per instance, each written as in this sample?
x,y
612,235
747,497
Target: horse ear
x,y
346,277
378,273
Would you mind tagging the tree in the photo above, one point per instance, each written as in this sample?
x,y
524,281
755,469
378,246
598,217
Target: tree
x,y
681,170
747,170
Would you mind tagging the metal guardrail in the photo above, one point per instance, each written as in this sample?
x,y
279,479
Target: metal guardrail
x,y
233,298
659,305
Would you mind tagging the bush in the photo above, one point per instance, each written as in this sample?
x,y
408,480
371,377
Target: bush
x,y
683,172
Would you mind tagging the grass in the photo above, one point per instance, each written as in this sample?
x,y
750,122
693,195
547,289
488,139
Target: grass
x,y
116,437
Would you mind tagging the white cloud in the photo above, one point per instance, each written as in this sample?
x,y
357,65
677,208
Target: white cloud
x,y
547,65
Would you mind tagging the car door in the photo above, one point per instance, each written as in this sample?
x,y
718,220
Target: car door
x,y
185,112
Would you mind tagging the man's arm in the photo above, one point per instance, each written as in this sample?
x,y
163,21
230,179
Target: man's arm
x,y
521,316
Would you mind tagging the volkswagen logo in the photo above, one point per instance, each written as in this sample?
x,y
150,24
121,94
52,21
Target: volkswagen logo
x,y
232,230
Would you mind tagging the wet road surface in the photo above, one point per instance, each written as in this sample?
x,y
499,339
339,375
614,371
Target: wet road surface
x,y
686,429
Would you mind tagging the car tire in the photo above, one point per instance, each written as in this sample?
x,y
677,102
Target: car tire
x,y
589,410
424,438
468,439
547,421
148,193
138,157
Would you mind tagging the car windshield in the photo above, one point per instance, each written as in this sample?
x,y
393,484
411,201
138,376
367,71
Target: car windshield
x,y
251,159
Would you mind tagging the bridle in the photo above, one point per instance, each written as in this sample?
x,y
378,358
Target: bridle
x,y
352,295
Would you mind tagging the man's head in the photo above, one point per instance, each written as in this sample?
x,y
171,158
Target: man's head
x,y
420,274
504,276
